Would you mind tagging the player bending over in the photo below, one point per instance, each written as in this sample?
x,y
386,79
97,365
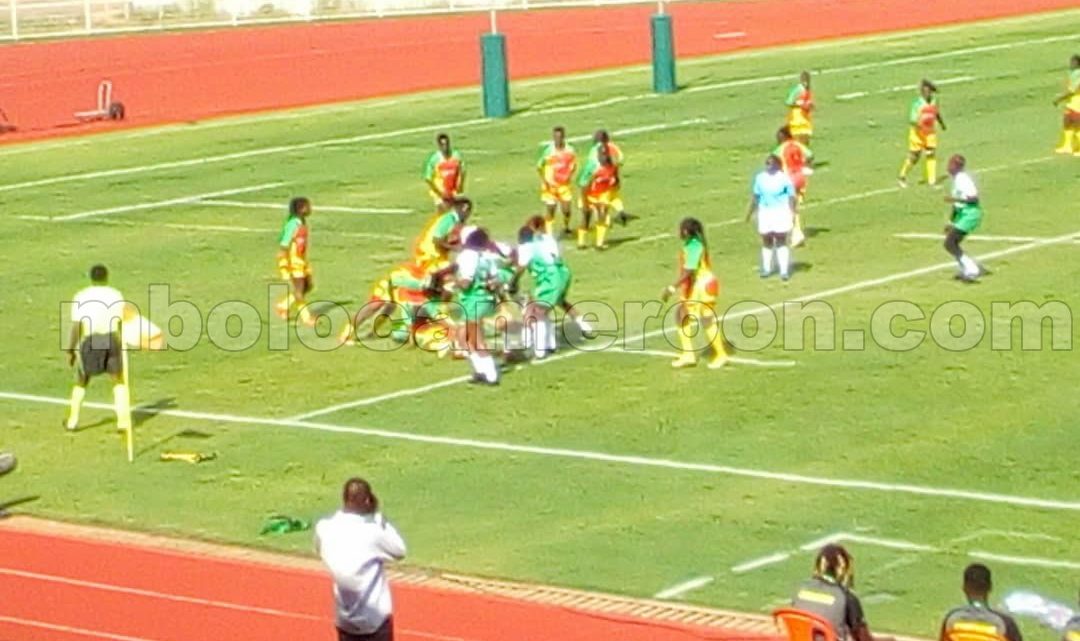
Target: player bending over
x,y
924,117
698,289
600,194
95,346
965,216
1070,140
441,236
292,262
444,174
477,294
775,203
410,298
557,167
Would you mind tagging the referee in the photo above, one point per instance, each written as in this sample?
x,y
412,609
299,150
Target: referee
x,y
94,345
355,544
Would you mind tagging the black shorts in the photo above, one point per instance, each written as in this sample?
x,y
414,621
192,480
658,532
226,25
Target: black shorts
x,y
101,354
384,633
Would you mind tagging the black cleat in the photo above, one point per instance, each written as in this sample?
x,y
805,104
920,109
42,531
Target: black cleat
x,y
624,218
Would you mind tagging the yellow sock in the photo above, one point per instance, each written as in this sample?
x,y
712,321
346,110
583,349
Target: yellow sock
x,y
122,404
78,393
1068,139
601,234
686,341
305,313
549,225
582,235
905,168
716,342
931,170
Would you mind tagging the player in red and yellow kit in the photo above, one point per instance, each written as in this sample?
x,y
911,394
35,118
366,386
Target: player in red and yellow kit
x,y
557,167
1070,141
444,173
797,161
599,183
409,297
698,289
292,262
924,117
800,104
439,237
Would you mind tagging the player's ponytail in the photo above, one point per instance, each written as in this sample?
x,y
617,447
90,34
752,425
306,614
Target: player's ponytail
x,y
835,562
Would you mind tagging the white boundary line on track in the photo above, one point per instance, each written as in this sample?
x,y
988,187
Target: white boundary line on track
x,y
475,122
165,203
31,623
975,238
680,589
593,456
239,204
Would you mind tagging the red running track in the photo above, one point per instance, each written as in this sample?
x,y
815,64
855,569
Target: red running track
x,y
189,76
58,588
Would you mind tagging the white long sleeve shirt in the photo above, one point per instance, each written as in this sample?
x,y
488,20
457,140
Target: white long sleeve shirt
x,y
355,548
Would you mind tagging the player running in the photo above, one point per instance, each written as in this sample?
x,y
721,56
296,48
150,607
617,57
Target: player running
x,y
538,253
698,289
800,104
797,161
477,294
965,216
444,173
441,236
775,204
1070,140
924,117
292,262
557,167
600,194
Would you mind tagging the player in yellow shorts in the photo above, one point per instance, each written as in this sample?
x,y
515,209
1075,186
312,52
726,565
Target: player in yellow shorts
x,y
557,167
439,237
800,104
698,290
924,118
444,174
1070,141
599,183
292,263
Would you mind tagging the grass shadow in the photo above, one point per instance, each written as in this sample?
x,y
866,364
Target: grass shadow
x,y
144,413
7,506
182,434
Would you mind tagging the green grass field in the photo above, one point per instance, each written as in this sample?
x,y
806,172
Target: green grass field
x,y
621,482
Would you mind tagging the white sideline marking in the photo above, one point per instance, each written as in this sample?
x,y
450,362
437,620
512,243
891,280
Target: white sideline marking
x,y
862,94
475,122
587,455
680,589
729,35
892,544
974,237
165,203
278,206
31,623
108,587
1009,534
1028,561
734,359
761,562
412,391
216,228
661,126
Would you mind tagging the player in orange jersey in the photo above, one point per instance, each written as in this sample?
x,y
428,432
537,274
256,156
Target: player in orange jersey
x,y
797,161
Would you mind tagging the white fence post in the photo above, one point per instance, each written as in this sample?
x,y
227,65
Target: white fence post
x,y
14,15
88,22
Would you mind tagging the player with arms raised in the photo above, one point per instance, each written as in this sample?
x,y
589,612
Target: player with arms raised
x,y
557,167
800,104
444,174
698,289
924,117
292,262
1070,141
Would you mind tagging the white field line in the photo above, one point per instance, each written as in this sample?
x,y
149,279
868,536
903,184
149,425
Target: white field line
x,y
973,496
816,544
974,238
862,94
215,228
663,235
892,544
165,203
108,587
476,122
1008,534
761,562
1027,561
734,359
67,629
680,589
644,129
278,206
413,391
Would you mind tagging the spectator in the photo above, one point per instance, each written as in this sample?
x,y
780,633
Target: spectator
x,y
355,544
828,594
977,614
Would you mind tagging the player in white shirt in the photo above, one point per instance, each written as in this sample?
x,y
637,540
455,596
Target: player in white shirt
x,y
774,201
95,345
965,216
477,293
355,544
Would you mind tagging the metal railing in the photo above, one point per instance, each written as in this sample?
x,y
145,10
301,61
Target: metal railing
x,y
37,19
